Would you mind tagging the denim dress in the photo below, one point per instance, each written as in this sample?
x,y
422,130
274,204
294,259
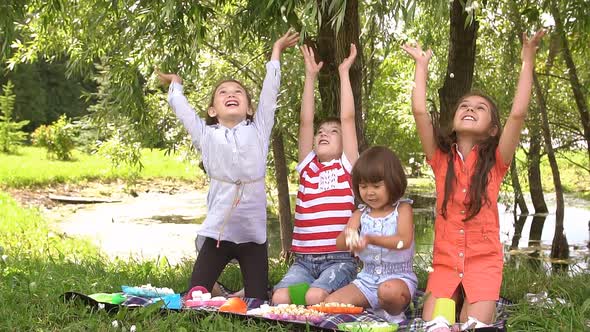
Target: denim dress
x,y
382,264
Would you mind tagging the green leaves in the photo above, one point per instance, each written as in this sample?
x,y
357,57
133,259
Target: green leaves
x,y
11,135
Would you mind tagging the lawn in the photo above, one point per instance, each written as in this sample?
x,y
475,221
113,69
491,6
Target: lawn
x,y
38,264
31,167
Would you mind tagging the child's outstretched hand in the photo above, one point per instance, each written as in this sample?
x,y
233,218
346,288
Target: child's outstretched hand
x,y
168,78
420,56
530,45
311,67
347,62
290,38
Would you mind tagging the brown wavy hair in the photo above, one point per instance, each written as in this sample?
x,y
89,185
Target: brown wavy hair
x,y
376,164
209,120
486,158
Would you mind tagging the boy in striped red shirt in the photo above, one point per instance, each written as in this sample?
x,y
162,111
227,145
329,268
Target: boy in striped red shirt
x,y
325,199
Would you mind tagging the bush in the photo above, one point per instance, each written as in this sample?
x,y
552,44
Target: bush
x,y
58,138
11,135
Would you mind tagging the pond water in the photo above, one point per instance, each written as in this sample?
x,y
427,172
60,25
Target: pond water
x,y
527,235
159,224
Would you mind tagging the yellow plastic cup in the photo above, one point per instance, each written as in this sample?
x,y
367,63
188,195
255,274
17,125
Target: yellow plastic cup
x,y
297,293
446,308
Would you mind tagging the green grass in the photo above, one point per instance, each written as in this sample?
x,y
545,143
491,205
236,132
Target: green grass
x,y
31,167
38,265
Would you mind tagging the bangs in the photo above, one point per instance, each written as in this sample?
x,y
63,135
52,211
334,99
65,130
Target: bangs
x,y
369,172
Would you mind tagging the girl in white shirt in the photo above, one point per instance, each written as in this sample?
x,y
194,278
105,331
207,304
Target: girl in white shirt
x,y
233,145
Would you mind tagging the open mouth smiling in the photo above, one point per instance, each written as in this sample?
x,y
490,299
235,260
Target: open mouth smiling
x,y
232,103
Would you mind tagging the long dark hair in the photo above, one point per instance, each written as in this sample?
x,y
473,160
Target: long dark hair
x,y
213,120
486,158
377,164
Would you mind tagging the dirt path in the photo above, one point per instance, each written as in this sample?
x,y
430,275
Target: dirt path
x,y
155,219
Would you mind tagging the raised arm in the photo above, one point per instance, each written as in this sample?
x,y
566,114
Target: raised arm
x,y
267,103
423,121
511,133
308,103
347,120
404,236
193,124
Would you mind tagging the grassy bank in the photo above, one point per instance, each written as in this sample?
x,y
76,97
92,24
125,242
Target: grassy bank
x,y
38,265
31,167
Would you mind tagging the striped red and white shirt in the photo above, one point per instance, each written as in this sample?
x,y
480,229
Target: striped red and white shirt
x,y
324,204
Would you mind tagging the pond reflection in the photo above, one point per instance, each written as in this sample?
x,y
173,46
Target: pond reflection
x,y
524,236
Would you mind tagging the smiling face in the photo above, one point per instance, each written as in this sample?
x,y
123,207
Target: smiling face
x,y
328,141
230,104
476,116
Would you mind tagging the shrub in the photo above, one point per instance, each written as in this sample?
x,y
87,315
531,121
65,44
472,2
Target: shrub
x,y
11,135
57,138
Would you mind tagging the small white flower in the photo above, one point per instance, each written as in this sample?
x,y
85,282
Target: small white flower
x,y
132,328
474,5
101,306
411,160
451,75
4,257
115,323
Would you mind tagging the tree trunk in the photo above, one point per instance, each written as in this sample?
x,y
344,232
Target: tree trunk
x,y
350,34
573,76
286,226
518,226
559,247
332,48
460,64
518,197
534,169
328,77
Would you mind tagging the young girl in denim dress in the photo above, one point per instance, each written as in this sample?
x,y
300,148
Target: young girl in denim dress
x,y
381,233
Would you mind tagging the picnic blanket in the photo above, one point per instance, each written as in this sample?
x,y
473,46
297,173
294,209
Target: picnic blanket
x,y
413,322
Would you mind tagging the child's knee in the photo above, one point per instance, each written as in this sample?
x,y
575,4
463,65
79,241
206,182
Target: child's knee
x,y
315,296
390,293
280,296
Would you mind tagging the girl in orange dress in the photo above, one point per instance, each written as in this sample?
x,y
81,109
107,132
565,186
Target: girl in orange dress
x,y
469,164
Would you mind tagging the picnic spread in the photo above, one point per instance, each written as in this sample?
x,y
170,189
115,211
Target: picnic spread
x,y
323,316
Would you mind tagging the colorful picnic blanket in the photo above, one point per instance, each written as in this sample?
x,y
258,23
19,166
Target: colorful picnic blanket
x,y
331,321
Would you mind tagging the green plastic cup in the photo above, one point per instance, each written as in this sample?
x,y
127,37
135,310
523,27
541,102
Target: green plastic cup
x,y
297,293
446,308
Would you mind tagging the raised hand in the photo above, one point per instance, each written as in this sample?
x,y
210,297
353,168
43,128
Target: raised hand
x,y
530,45
347,62
167,78
416,52
311,67
290,38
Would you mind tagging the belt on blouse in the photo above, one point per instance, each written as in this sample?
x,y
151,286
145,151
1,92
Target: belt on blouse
x,y
386,268
237,196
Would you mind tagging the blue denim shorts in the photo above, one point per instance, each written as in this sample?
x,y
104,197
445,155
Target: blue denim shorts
x,y
326,271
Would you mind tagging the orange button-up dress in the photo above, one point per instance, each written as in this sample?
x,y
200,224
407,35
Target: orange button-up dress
x,y
466,252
